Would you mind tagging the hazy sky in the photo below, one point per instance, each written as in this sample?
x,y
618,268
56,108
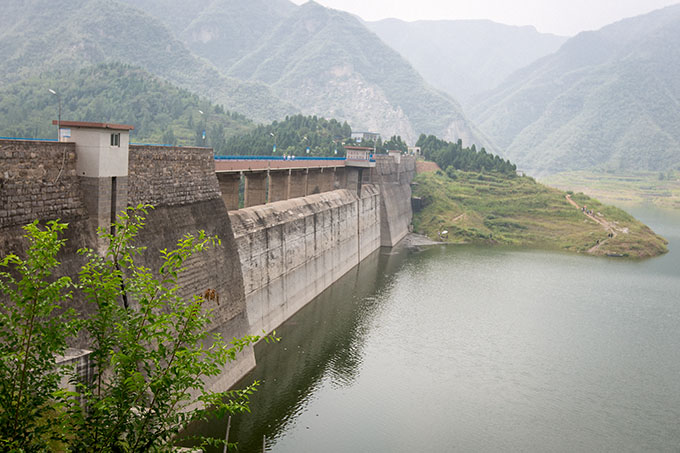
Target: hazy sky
x,y
565,17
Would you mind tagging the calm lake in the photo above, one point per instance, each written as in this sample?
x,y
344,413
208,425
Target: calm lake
x,y
478,349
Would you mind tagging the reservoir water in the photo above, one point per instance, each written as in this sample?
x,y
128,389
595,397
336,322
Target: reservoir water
x,y
477,349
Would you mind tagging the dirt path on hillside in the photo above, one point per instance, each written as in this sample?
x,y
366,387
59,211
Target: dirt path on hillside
x,y
608,226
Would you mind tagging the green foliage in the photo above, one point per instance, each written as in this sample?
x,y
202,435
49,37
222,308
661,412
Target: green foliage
x,y
151,349
34,329
117,93
395,143
493,208
91,32
453,155
292,136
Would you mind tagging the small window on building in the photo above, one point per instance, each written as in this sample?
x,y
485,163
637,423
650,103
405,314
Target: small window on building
x,y
115,139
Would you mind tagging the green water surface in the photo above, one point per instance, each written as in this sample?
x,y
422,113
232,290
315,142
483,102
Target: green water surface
x,y
477,349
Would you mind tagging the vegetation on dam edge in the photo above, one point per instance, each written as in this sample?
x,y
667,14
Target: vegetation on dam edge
x,y
490,208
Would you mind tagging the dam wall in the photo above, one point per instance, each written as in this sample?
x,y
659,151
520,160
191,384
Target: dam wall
x,y
38,181
272,260
182,186
292,250
393,176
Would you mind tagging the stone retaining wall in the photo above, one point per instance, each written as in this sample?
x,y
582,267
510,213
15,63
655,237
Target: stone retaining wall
x,y
181,184
38,181
171,176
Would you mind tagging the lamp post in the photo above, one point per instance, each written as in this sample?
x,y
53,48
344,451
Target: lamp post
x,y
204,121
59,114
273,135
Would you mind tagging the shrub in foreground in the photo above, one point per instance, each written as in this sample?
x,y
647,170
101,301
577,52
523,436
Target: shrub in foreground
x,y
151,349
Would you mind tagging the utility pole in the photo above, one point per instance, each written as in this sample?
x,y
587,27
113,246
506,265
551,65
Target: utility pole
x,y
58,115
273,135
204,125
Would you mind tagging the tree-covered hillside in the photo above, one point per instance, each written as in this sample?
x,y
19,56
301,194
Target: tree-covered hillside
x,y
160,112
297,135
498,210
453,156
37,36
325,62
262,58
606,100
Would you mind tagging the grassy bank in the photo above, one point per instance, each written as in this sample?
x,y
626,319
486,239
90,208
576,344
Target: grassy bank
x,y
493,209
662,189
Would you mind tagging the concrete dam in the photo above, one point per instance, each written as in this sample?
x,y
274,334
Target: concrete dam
x,y
306,223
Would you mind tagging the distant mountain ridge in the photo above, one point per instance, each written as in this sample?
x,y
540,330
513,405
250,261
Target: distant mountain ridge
x,y
41,35
608,99
330,64
322,61
465,57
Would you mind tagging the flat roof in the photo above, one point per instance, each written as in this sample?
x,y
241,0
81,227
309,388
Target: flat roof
x,y
120,127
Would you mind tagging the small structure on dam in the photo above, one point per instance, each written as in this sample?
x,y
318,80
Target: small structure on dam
x,y
102,151
304,225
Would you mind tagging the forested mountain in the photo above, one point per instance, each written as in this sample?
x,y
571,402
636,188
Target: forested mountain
x,y
160,112
453,156
228,30
297,135
46,35
262,58
608,99
305,136
326,62
465,57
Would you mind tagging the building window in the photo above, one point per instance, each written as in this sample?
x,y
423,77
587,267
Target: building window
x,y
115,139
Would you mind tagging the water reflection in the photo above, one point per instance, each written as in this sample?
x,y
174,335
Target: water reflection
x,y
479,349
321,343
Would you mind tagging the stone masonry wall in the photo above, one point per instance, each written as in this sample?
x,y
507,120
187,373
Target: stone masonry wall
x,y
294,249
181,184
38,181
171,176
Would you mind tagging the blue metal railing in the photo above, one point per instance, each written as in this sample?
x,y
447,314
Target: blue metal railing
x,y
168,145
275,158
30,139
371,159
